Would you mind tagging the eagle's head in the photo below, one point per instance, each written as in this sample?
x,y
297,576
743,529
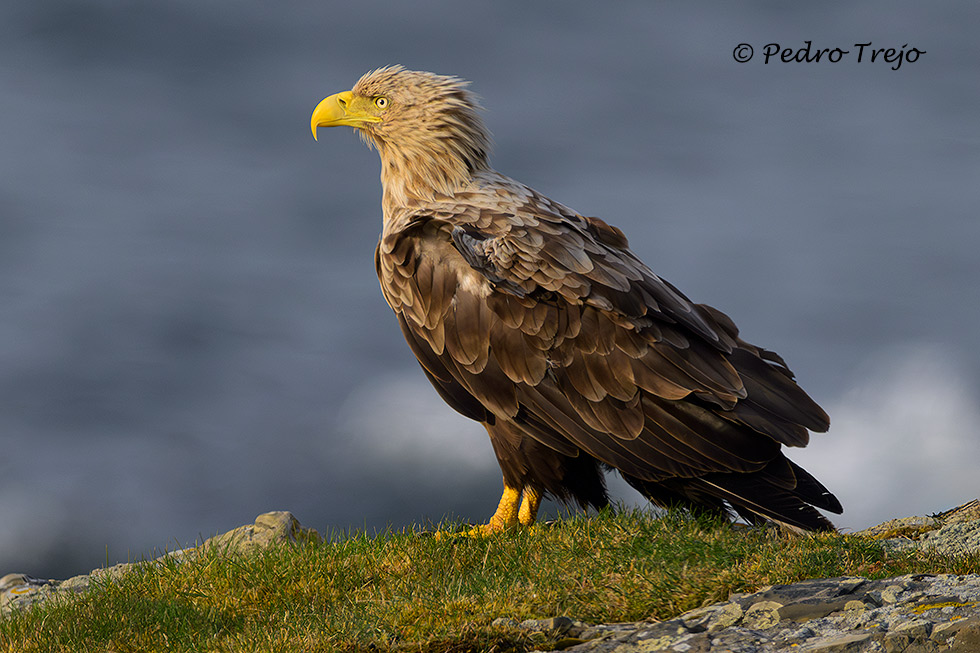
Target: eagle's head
x,y
426,127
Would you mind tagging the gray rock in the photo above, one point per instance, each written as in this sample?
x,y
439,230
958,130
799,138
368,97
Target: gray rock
x,y
813,608
904,635
269,528
909,527
22,590
953,532
942,633
18,590
727,615
838,643
917,614
966,638
764,614
969,511
556,625
953,539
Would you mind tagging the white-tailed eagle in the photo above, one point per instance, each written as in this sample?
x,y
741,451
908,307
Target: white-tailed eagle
x,y
543,326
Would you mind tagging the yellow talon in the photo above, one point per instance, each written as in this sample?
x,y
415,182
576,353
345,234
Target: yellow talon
x,y
507,510
516,508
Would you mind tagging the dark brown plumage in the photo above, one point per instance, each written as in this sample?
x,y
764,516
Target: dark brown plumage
x,y
541,324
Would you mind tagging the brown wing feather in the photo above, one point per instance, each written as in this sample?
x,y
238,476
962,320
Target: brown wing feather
x,y
547,321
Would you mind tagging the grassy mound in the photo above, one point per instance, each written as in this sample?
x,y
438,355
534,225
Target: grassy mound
x,y
405,591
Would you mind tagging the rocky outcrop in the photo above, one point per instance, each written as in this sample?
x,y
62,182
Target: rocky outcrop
x,y
913,614
20,590
953,532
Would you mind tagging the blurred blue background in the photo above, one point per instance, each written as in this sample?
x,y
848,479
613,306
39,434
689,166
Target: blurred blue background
x,y
191,331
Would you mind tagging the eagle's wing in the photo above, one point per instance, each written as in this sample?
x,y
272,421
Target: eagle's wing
x,y
539,316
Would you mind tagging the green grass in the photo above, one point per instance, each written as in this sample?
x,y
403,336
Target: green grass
x,y
407,592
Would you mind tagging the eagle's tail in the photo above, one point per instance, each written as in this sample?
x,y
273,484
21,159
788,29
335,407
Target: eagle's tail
x,y
781,492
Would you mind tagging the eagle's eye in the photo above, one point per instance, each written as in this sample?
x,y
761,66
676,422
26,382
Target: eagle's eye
x,y
381,102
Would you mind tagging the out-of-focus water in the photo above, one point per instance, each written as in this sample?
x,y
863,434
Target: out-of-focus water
x,y
190,327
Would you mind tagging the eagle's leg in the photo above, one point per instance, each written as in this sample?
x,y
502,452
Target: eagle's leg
x,y
529,507
507,512
517,507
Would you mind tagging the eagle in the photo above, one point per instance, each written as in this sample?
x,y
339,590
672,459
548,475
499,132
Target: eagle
x,y
542,325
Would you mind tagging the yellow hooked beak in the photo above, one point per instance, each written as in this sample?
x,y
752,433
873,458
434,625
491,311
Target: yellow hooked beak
x,y
338,110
